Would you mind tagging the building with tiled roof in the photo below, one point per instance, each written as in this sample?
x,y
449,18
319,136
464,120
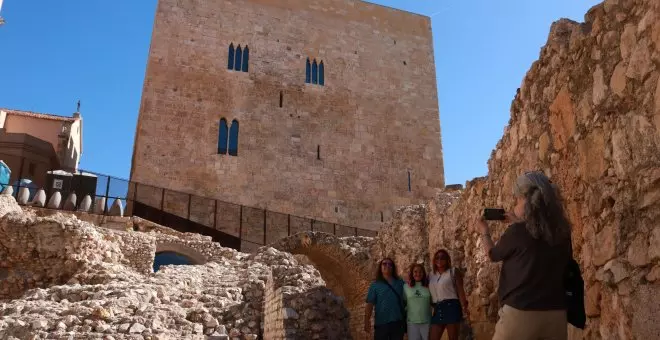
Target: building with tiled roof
x,y
31,143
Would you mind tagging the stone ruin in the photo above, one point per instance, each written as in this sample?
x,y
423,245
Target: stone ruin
x,y
64,278
587,113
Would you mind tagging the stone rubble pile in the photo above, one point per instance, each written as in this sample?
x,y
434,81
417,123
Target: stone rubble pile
x,y
63,278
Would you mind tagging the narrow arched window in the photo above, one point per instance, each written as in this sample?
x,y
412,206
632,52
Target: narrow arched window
x,y
246,58
308,72
315,72
239,58
222,137
321,75
233,138
230,57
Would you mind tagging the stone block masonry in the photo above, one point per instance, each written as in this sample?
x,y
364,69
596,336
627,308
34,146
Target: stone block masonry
x,y
347,152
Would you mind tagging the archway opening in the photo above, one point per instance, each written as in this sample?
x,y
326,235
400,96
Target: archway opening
x,y
164,258
343,272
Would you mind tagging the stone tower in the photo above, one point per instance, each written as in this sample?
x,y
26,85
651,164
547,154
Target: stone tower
x,y
336,101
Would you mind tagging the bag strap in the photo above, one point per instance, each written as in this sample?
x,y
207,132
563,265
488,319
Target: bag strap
x,y
453,280
398,300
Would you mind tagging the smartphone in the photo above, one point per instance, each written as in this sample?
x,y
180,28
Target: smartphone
x,y
492,214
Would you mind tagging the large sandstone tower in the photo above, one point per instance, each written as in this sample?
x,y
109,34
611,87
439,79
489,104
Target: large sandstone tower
x,y
336,102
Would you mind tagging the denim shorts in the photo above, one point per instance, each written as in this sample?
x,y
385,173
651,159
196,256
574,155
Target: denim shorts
x,y
447,312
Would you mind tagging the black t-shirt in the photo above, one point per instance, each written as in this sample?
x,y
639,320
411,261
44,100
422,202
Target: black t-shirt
x,y
532,276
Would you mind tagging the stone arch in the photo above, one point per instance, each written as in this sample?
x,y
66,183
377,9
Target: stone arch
x,y
344,266
192,255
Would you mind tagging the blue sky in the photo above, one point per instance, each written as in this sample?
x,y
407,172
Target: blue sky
x,y
53,53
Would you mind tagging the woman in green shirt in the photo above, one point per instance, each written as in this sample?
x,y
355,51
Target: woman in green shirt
x,y
418,303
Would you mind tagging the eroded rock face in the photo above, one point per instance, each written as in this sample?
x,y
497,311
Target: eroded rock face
x,y
588,114
404,239
66,278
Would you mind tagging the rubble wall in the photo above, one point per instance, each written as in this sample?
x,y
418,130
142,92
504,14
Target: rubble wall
x,y
61,277
588,114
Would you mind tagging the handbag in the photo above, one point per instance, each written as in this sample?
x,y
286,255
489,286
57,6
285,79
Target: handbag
x,y
401,308
574,287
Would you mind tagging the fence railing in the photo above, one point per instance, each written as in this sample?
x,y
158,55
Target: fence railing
x,y
233,225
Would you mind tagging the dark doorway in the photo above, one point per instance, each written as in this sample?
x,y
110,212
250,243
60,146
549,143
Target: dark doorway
x,y
168,258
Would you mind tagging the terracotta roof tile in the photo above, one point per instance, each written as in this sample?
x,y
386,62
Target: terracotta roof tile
x,y
38,115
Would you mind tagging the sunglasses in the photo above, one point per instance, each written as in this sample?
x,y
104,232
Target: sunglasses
x,y
441,257
387,264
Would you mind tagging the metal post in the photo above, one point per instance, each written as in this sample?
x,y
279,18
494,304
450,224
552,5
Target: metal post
x,y
240,227
334,229
107,196
162,202
312,224
264,226
355,231
288,225
20,177
189,199
215,213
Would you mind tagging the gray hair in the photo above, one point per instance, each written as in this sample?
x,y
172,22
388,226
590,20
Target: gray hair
x,y
544,215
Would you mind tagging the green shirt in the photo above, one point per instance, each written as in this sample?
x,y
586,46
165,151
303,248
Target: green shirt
x,y
418,303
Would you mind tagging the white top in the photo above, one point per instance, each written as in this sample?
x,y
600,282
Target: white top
x,y
442,286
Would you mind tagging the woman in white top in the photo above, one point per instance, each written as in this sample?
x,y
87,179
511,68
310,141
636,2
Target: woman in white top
x,y
448,297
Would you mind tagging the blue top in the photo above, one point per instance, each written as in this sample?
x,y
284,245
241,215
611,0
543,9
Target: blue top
x,y
388,309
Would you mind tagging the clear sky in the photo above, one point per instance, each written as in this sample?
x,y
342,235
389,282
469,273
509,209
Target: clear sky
x,y
53,53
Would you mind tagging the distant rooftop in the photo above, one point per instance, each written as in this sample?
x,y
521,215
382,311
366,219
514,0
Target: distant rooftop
x,y
38,115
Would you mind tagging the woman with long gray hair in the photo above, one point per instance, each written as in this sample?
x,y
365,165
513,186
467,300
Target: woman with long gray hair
x,y
535,250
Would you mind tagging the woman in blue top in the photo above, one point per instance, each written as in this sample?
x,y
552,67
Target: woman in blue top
x,y
385,296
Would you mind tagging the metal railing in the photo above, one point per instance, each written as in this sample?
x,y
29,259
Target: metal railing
x,y
234,225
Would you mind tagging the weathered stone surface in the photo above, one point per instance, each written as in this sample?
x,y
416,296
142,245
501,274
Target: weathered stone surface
x,y
8,205
402,238
640,63
55,200
605,167
592,300
8,190
117,208
606,243
628,40
67,275
638,251
70,202
85,204
562,119
654,246
99,205
39,199
618,80
599,88
23,195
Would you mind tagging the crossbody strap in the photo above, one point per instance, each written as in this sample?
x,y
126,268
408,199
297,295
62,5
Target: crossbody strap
x,y
453,280
398,300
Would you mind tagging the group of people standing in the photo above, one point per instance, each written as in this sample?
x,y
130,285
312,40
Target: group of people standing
x,y
424,306
535,250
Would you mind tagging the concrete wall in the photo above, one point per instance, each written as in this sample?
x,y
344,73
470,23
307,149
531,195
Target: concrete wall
x,y
375,120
